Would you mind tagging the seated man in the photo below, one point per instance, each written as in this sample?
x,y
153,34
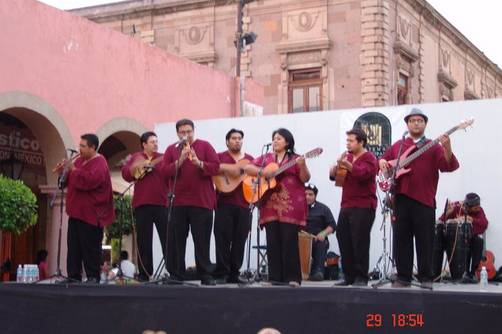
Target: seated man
x,y
470,208
320,222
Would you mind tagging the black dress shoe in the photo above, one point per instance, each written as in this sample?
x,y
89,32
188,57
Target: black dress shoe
x,y
92,280
208,280
342,283
316,277
360,282
401,284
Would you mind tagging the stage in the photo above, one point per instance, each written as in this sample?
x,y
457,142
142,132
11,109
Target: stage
x,y
315,307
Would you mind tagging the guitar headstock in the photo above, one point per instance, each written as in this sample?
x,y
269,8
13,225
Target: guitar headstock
x,y
466,123
313,153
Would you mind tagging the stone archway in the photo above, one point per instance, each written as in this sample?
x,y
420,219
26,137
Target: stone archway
x,y
31,116
119,138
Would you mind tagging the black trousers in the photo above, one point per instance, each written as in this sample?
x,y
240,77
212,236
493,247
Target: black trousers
x,y
319,253
146,216
283,253
474,254
413,219
84,245
353,235
200,221
231,228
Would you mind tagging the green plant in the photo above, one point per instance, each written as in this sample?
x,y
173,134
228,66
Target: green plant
x,y
18,206
123,218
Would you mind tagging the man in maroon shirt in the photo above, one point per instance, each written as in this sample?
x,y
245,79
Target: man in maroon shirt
x,y
470,209
191,163
149,200
357,208
415,201
89,205
232,220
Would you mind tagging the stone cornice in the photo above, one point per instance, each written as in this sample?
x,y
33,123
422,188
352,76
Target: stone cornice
x,y
405,50
303,45
447,79
436,19
136,8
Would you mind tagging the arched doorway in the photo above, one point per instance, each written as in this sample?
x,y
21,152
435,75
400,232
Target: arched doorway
x,y
28,145
116,148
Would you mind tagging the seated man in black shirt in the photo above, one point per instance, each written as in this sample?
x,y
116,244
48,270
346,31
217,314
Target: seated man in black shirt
x,y
320,222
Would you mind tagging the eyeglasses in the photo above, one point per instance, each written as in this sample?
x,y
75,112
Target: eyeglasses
x,y
417,120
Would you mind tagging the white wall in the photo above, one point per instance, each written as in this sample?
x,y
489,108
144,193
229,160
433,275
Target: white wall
x,y
480,163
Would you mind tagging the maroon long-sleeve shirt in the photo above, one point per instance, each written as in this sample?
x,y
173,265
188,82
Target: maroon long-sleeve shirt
x,y
89,196
359,188
479,221
421,182
194,186
152,188
235,197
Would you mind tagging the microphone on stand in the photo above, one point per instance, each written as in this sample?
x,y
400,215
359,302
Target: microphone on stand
x,y
405,133
267,145
72,151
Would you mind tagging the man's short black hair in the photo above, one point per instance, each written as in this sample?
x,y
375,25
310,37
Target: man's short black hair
x,y
124,255
184,121
361,136
92,140
229,133
144,137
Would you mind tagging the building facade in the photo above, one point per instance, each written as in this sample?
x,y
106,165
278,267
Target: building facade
x,y
319,54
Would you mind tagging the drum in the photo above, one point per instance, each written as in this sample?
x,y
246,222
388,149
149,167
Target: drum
x,y
438,249
305,247
458,235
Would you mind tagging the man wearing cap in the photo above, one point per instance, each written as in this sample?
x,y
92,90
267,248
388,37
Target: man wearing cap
x,y
415,201
321,223
470,209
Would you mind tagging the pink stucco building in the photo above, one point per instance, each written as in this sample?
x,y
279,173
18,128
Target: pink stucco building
x,y
62,75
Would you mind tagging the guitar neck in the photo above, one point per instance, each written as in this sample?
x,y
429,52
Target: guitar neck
x,y
424,148
286,166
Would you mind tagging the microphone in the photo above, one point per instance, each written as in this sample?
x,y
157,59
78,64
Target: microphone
x,y
405,133
72,151
267,145
181,141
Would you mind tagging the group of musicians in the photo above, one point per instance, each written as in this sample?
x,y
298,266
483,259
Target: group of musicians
x,y
182,177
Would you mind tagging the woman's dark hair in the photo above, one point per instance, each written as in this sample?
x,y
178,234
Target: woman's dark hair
x,y
41,256
229,133
144,137
361,136
288,136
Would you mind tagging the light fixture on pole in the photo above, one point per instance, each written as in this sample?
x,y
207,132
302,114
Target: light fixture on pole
x,y
246,39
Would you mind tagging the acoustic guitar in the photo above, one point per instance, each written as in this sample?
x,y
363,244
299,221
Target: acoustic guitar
x,y
487,261
255,187
227,182
385,180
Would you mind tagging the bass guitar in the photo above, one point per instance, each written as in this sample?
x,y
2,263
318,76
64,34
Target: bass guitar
x,y
254,187
384,178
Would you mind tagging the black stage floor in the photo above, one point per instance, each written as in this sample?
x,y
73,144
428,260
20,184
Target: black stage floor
x,y
312,308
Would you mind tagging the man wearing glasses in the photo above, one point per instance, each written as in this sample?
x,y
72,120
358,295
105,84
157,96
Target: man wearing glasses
x,y
191,163
415,201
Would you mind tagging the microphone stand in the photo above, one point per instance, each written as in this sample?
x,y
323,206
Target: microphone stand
x,y
120,274
166,279
248,274
387,211
58,277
